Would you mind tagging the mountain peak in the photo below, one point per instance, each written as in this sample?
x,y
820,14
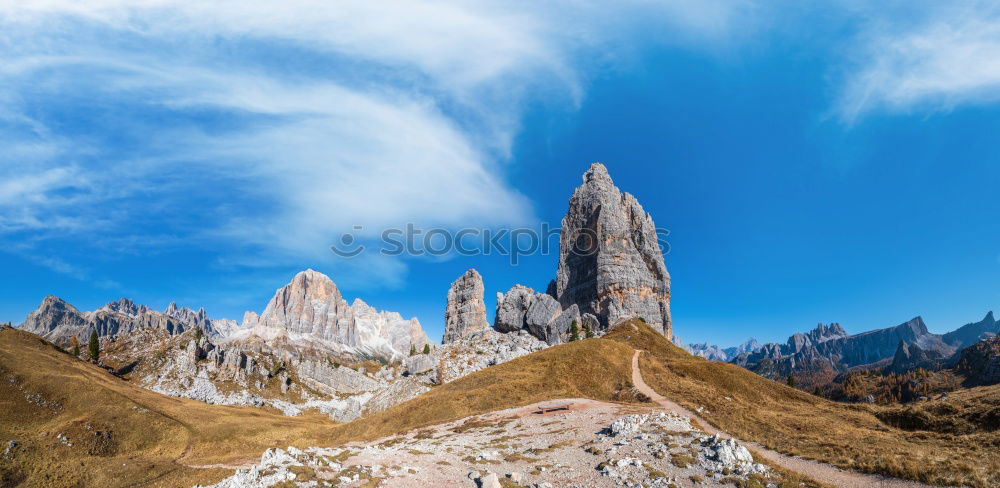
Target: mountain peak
x,y
598,174
610,261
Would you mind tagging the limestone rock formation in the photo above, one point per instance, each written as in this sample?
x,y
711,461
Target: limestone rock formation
x,y
58,321
512,308
311,309
610,261
466,312
543,310
540,315
55,320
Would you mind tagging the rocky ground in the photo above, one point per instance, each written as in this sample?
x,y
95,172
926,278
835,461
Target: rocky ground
x,y
478,350
294,380
591,444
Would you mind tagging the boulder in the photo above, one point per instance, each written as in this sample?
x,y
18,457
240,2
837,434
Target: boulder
x,y
512,308
544,309
421,363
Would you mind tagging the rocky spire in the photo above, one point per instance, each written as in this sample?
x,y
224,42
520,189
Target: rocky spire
x,y
466,311
610,262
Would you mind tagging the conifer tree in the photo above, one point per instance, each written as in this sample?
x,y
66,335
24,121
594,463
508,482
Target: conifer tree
x,y
427,348
94,347
574,332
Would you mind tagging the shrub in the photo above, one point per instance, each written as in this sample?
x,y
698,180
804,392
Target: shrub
x,y
413,350
790,381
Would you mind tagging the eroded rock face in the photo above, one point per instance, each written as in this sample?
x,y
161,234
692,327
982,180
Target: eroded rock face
x,y
312,308
55,320
512,308
544,309
466,312
58,321
610,262
540,315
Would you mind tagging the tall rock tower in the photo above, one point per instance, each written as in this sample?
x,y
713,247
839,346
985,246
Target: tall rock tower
x,y
466,311
610,262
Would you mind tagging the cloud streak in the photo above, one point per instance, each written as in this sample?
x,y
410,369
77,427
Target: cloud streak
x,y
263,131
950,57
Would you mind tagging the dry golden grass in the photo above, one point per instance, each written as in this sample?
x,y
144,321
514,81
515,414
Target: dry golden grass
x,y
590,368
135,436
791,421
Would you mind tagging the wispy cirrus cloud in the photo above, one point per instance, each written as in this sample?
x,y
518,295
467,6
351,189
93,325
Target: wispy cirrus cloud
x,y
262,131
949,55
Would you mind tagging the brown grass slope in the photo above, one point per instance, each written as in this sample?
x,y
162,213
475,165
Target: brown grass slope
x,y
850,436
121,434
591,368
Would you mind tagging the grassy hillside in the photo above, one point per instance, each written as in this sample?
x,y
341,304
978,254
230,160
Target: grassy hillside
x,y
591,368
861,437
120,434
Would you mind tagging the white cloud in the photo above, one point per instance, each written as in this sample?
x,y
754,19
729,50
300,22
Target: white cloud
x,y
279,125
948,58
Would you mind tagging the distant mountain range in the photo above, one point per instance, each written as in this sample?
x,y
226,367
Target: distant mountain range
x,y
308,310
829,350
716,353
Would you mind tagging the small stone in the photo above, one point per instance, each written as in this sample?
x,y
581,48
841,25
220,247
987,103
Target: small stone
x,y
489,481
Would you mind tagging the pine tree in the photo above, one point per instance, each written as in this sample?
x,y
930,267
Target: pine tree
x,y
427,348
94,347
587,331
574,332
197,334
76,350
791,381
413,350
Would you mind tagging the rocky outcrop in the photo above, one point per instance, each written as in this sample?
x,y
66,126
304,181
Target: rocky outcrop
x,y
478,350
610,261
466,312
980,363
911,356
512,308
540,315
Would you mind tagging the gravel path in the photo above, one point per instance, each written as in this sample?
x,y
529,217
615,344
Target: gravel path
x,y
816,470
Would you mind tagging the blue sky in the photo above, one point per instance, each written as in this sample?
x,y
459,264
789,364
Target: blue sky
x,y
835,163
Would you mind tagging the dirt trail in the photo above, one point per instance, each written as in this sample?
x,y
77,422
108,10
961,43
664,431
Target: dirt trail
x,y
816,470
